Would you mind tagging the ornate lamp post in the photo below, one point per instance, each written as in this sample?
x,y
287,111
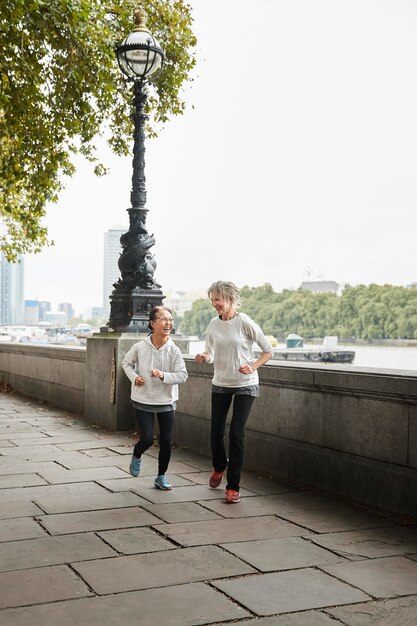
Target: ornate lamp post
x,y
136,292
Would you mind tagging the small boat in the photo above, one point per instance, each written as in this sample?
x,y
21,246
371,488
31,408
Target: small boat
x,y
328,352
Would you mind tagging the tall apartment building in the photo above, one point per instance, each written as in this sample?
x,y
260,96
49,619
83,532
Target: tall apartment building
x,y
67,308
112,250
31,315
11,292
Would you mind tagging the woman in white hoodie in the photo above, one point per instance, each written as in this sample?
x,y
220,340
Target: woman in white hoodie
x,y
155,367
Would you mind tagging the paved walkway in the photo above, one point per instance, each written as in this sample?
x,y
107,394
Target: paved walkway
x,y
82,542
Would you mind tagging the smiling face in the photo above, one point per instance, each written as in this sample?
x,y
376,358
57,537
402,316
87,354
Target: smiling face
x,y
223,307
162,323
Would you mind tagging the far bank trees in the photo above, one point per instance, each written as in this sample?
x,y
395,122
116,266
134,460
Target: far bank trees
x,y
362,312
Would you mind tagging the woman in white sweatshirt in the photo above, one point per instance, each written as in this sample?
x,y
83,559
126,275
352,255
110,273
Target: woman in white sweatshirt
x,y
155,367
229,346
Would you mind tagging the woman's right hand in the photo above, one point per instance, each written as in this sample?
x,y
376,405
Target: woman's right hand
x,y
139,381
200,358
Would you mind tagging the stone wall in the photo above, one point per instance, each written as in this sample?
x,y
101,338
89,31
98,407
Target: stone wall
x,y
52,373
349,432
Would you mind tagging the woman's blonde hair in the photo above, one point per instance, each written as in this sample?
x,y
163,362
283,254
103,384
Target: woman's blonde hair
x,y
226,290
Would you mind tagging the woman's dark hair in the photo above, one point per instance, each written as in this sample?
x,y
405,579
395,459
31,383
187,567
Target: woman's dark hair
x,y
154,314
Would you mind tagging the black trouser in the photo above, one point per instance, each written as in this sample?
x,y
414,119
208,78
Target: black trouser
x,y
220,404
145,422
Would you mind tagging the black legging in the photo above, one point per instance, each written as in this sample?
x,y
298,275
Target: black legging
x,y
220,403
145,422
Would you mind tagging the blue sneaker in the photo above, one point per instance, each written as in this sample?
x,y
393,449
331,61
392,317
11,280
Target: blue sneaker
x,y
135,464
162,483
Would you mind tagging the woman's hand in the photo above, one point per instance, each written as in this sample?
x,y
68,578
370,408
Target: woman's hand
x,y
200,358
139,381
246,369
157,374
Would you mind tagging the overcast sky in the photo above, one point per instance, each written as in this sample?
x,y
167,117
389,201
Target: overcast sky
x,y
296,158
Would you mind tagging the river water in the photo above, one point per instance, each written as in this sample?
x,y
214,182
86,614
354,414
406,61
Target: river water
x,y
365,356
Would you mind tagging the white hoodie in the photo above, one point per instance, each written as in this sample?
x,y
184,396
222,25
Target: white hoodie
x,y
144,357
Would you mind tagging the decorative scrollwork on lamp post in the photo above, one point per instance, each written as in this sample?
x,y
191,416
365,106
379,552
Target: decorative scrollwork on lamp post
x,y
136,292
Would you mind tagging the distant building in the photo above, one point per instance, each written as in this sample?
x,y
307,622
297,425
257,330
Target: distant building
x,y
181,301
31,316
97,312
43,307
111,273
322,286
57,318
11,291
66,307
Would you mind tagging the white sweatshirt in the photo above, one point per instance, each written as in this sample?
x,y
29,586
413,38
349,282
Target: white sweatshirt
x,y
229,344
144,357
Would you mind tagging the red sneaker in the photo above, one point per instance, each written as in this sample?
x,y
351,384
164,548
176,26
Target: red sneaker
x,y
215,479
231,496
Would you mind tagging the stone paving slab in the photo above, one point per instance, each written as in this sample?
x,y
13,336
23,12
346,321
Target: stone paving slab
x,y
286,592
136,540
42,584
194,459
24,528
78,460
248,507
381,578
55,441
265,486
138,484
183,605
19,437
81,475
181,512
160,569
375,543
396,612
68,523
126,449
31,553
19,509
90,502
303,501
329,519
90,444
44,452
21,480
13,467
18,427
225,531
96,453
269,555
50,492
306,618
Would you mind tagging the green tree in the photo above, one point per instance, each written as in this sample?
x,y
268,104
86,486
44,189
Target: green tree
x,y
61,88
196,320
362,312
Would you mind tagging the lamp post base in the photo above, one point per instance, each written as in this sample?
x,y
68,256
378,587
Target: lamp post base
x,y
129,310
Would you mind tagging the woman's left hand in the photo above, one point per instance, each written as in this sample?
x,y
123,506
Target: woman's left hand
x,y
157,374
246,369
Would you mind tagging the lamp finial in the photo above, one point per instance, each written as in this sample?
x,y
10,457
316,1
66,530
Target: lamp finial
x,y
140,20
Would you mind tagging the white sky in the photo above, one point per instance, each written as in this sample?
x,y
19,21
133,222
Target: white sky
x,y
298,160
